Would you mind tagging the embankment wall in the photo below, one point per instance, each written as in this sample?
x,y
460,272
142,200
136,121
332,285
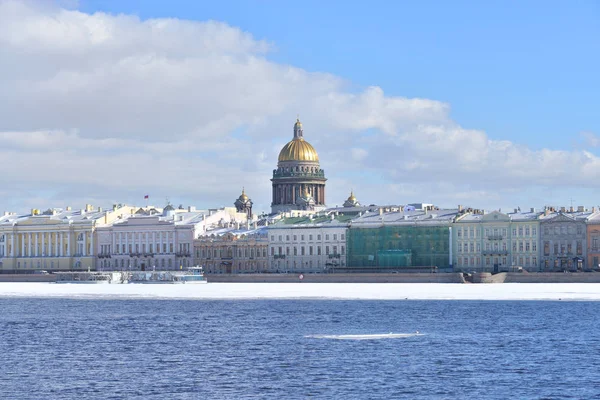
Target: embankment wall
x,y
342,278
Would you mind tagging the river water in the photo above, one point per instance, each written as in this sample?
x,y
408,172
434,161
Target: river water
x,y
295,349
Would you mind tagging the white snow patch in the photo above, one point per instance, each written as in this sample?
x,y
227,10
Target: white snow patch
x,y
350,291
372,336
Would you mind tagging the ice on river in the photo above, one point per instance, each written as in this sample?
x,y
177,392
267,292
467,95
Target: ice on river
x,y
358,291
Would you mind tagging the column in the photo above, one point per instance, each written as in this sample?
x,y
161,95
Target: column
x,y
160,242
22,235
61,253
147,242
69,244
29,245
12,245
43,244
154,242
126,242
57,244
92,252
36,244
114,243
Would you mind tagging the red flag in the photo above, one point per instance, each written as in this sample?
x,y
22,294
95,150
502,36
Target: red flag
x,y
146,196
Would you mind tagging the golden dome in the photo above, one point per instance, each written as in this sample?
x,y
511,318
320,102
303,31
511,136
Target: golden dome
x,y
351,198
243,196
298,150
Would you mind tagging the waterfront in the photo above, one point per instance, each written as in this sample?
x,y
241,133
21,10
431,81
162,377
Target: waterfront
x,y
152,349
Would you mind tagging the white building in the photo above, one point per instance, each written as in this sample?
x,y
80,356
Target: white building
x,y
158,239
308,243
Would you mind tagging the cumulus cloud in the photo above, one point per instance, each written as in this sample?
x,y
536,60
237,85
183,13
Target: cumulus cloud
x,y
108,108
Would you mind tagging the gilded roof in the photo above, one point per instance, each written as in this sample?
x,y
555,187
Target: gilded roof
x,y
298,149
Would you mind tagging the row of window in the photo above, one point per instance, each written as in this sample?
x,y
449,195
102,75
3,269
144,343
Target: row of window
x,y
476,261
221,253
308,250
310,237
563,248
520,231
563,230
516,246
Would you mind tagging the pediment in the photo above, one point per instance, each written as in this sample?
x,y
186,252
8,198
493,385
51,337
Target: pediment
x,y
560,218
495,216
38,222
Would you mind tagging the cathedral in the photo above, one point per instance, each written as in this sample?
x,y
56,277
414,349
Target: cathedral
x,y
298,181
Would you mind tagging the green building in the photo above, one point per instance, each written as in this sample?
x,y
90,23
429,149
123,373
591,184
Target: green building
x,y
415,239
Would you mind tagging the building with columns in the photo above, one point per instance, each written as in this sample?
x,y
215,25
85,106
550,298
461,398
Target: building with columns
x,y
53,240
298,181
154,239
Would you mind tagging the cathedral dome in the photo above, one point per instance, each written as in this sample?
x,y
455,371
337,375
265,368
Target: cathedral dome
x,y
298,149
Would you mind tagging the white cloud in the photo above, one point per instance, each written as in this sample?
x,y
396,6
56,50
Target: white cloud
x,y
108,108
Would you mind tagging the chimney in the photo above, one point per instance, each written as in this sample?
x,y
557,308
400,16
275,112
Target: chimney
x,y
191,208
115,207
515,211
580,208
594,209
571,209
546,211
381,211
68,208
88,207
563,209
460,208
99,209
532,209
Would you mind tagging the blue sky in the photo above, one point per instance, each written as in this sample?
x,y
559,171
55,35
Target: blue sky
x,y
487,104
521,71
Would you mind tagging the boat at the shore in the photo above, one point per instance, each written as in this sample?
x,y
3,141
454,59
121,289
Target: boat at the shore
x,y
193,275
89,277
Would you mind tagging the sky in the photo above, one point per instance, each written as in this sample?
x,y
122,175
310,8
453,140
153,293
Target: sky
x,y
491,105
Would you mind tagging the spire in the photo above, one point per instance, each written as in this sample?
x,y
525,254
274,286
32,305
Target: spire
x,y
298,132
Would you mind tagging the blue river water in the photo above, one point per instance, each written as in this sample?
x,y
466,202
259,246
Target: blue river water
x,y
267,349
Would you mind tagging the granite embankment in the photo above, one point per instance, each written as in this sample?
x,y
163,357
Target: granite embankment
x,y
27,278
341,278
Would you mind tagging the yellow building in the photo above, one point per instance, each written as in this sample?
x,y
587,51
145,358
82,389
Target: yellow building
x,y
53,240
229,250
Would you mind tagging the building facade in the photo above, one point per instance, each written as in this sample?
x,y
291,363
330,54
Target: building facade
x,y
563,240
308,243
298,182
54,240
417,239
158,241
233,250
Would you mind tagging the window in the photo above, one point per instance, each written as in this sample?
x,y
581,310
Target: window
x,y
534,232
318,237
472,247
310,250
533,246
534,261
318,250
514,231
527,231
521,247
302,237
335,236
280,238
326,250
310,237
295,238
272,251
487,261
343,250
335,250
343,237
504,246
521,232
459,232
272,238
327,236
478,249
514,246
527,246
546,248
287,251
472,233
280,252
302,250
579,248
287,238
